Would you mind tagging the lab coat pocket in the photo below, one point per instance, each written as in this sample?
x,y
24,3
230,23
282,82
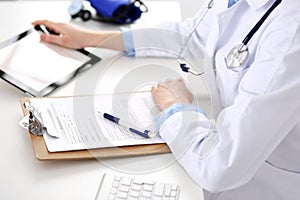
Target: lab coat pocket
x,y
232,73
258,78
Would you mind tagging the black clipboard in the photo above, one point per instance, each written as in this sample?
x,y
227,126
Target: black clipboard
x,y
38,68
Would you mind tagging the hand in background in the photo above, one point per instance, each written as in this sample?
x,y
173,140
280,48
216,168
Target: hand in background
x,y
74,37
68,35
170,92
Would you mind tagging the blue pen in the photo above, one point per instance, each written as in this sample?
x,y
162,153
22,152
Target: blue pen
x,y
131,127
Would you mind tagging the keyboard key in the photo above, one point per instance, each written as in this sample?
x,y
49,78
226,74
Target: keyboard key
x,y
146,194
115,184
126,181
174,187
173,193
136,187
118,178
159,189
113,190
134,193
122,195
148,187
124,188
168,188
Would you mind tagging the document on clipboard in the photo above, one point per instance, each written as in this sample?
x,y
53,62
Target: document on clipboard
x,y
74,123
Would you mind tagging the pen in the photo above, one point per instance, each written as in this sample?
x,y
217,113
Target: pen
x,y
131,127
44,29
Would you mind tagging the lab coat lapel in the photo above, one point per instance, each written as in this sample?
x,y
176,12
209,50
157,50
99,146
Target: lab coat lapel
x,y
209,69
214,34
210,78
219,23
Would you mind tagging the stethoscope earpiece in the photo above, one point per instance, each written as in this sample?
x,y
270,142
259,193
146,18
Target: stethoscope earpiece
x,y
183,66
186,69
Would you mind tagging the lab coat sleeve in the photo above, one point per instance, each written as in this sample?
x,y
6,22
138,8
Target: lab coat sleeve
x,y
128,41
166,39
226,154
174,108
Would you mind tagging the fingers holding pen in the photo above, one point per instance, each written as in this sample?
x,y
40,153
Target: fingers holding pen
x,y
54,27
67,35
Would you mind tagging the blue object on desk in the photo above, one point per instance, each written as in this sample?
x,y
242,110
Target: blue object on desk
x,y
117,11
113,11
131,127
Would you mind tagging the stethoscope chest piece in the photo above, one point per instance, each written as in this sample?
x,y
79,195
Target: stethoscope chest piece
x,y
237,56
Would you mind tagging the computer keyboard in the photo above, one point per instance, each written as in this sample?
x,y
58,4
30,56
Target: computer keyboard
x,y
119,187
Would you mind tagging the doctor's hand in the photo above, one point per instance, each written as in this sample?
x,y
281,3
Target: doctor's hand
x,y
74,37
170,92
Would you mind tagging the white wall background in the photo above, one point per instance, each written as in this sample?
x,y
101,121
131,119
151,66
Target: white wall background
x,y
188,7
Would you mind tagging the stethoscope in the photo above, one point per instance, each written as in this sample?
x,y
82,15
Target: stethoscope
x,y
239,53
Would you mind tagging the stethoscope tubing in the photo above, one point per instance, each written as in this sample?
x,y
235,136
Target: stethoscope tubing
x,y
179,57
209,6
260,22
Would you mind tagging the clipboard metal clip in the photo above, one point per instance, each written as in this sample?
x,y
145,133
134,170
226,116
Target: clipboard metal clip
x,y
35,121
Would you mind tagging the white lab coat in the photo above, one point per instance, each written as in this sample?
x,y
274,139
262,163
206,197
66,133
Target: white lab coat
x,y
252,150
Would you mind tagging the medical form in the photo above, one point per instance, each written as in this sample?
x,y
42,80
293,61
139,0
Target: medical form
x,y
76,124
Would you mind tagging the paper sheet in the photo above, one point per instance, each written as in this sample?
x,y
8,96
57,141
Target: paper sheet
x,y
76,122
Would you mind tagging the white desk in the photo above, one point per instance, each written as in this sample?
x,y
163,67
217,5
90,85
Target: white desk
x,y
24,177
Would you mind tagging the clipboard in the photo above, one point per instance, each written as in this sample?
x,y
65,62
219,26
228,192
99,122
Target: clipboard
x,y
42,154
